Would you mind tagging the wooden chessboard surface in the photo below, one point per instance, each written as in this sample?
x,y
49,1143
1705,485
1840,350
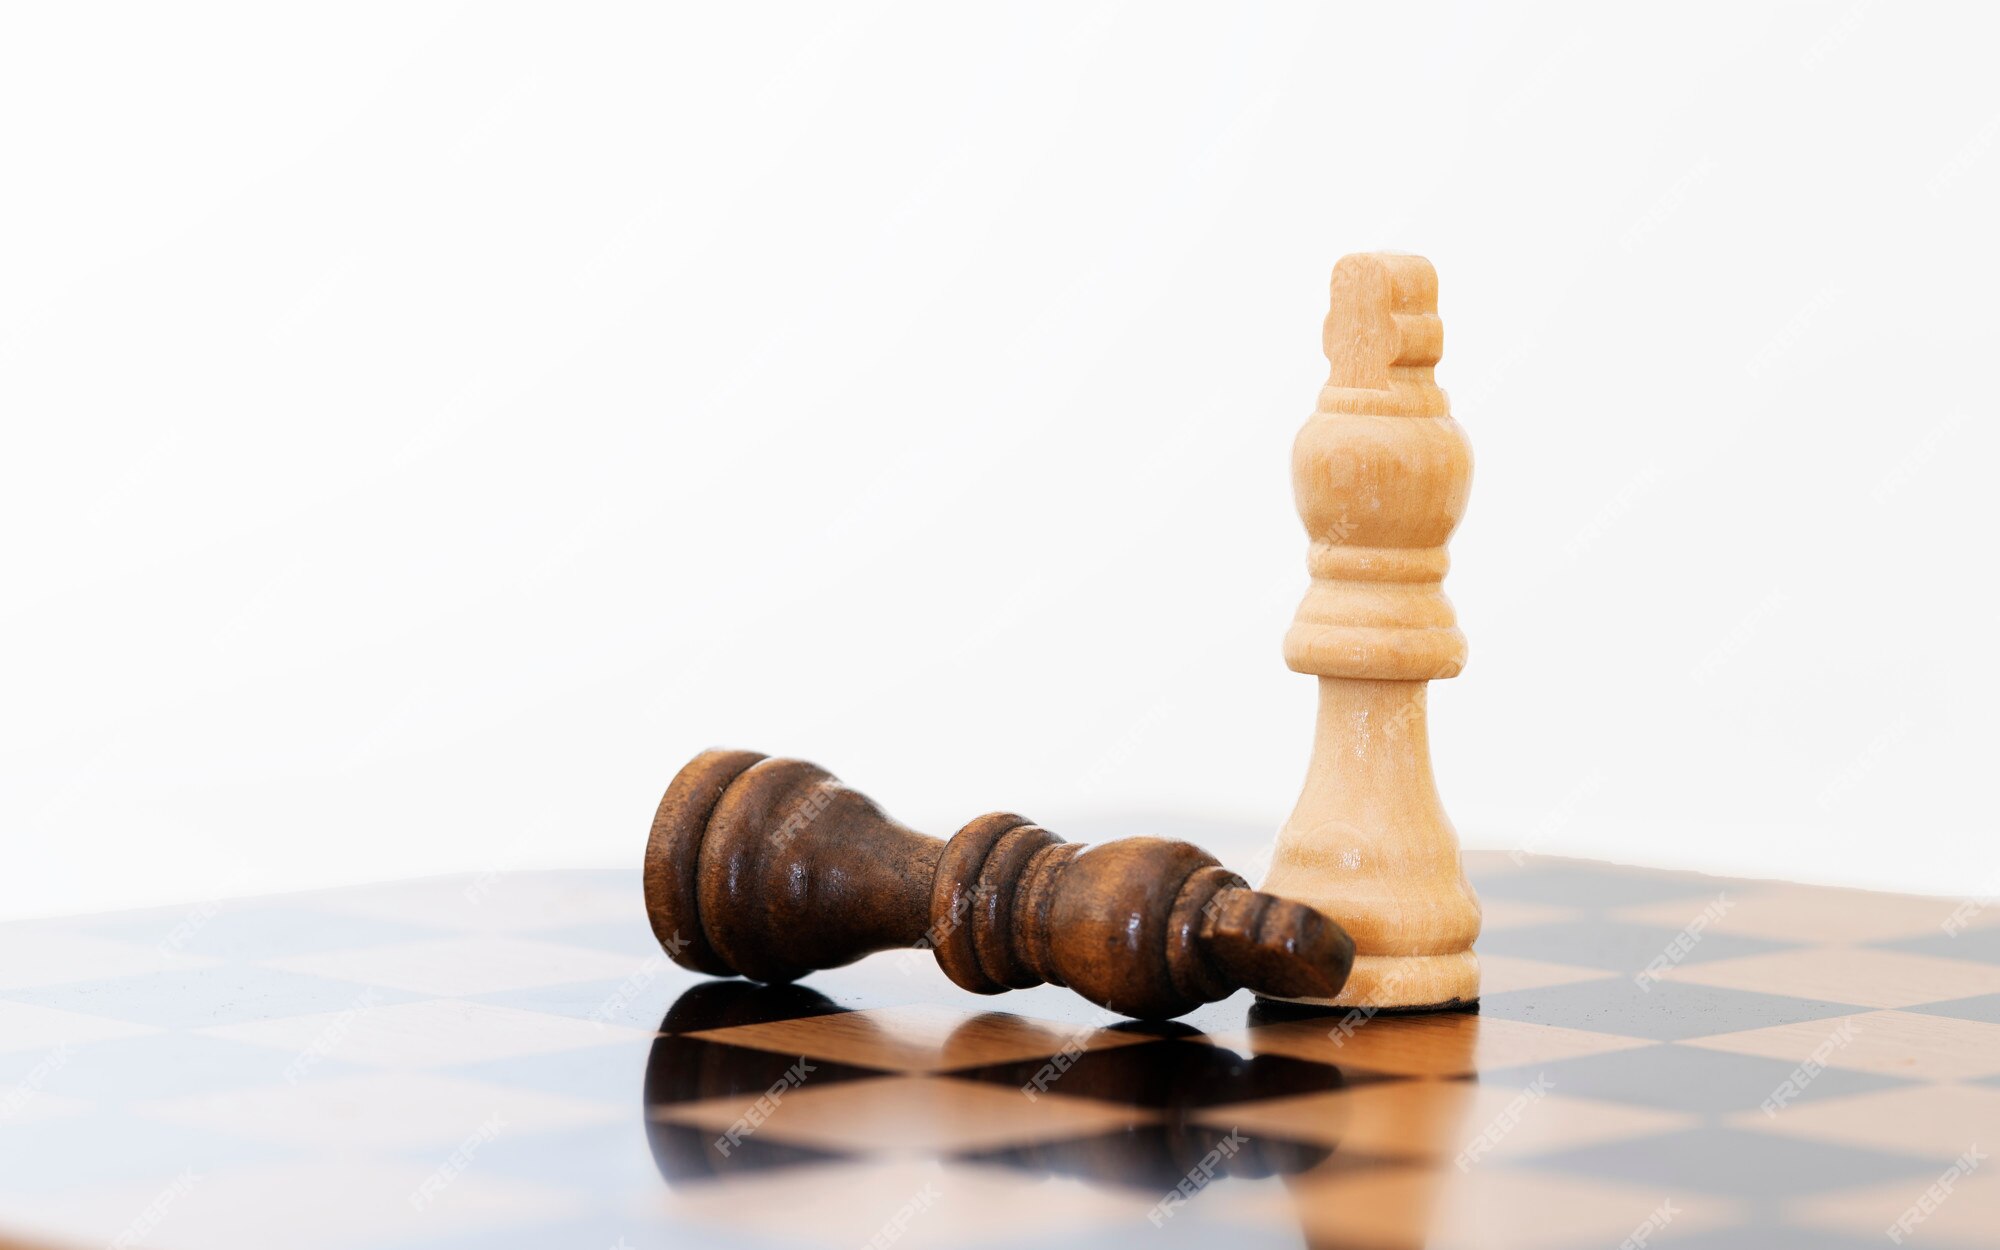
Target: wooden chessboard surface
x,y
1660,1059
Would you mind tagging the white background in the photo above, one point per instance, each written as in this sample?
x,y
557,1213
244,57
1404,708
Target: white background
x,y
428,426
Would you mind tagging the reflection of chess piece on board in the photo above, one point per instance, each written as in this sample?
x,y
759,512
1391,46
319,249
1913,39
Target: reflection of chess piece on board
x,y
684,1068
1425,1122
1381,472
1167,1090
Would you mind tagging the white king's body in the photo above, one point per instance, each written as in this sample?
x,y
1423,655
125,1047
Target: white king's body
x,y
1381,472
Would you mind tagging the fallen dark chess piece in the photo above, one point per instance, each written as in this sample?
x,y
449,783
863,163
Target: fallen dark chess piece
x,y
771,868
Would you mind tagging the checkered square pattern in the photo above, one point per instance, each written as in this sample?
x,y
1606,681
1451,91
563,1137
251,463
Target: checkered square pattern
x,y
1660,1059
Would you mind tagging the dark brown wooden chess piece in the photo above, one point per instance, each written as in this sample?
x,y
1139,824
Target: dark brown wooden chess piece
x,y
771,868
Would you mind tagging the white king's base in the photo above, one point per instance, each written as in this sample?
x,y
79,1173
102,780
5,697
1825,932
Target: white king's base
x,y
1406,983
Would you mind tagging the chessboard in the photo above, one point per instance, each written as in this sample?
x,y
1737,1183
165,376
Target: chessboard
x,y
507,1060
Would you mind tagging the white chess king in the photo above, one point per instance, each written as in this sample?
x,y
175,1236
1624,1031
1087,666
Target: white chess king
x,y
1381,472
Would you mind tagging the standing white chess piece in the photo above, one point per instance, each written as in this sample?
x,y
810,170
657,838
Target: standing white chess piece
x,y
1381,472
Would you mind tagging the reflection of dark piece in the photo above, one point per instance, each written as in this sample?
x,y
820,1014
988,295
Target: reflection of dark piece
x,y
685,1153
1156,1157
1174,1079
683,1069
726,1004
1162,1075
770,868
1165,1082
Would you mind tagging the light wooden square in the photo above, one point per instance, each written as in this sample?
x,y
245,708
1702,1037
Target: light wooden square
x,y
331,1201
1847,974
431,1033
912,1204
1786,912
464,966
1489,1208
920,1039
1438,1044
1496,914
1441,1120
1500,973
433,1112
1895,1043
1967,1217
910,1115
1941,1121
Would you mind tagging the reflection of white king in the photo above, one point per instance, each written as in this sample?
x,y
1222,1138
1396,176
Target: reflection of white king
x,y
1381,472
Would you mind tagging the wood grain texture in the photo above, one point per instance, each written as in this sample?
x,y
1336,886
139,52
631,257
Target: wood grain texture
x,y
1381,473
1333,1127
771,868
